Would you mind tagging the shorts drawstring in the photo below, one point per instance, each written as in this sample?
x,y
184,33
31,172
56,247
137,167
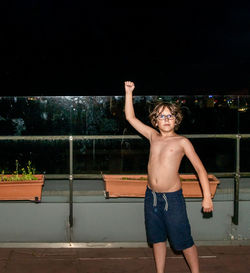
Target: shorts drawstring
x,y
166,201
155,200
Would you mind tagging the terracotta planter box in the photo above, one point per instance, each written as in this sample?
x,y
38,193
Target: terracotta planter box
x,y
117,185
22,190
191,186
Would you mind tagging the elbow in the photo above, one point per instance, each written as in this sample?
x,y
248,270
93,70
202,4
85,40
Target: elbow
x,y
129,118
201,171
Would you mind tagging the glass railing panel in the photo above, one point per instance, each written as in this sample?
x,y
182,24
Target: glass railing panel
x,y
84,157
104,115
217,155
110,155
244,114
201,114
244,155
35,115
244,167
49,157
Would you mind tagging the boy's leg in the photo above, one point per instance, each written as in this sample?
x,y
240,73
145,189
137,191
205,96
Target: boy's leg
x,y
160,256
191,256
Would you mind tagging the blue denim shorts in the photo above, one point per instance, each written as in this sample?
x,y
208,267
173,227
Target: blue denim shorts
x,y
166,219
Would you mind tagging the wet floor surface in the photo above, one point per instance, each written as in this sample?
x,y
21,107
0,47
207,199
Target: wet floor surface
x,y
213,259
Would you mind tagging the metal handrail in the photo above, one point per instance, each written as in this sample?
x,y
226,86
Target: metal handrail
x,y
91,137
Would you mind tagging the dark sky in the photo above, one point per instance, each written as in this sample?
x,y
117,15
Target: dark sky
x,y
70,48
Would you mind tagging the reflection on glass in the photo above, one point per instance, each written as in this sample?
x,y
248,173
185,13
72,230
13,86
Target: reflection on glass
x,y
104,115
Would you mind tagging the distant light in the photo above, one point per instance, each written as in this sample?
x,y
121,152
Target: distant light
x,y
32,98
242,109
210,96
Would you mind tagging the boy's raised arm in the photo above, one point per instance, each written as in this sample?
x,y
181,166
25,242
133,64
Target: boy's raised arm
x,y
130,114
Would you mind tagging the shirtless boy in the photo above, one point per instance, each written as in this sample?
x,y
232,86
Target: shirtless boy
x,y
165,209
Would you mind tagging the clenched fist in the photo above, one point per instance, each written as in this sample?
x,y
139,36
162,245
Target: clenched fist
x,y
129,86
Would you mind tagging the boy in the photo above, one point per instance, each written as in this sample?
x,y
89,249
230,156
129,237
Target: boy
x,y
165,209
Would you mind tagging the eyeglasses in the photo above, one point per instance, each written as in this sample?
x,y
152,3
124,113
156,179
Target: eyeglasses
x,y
163,117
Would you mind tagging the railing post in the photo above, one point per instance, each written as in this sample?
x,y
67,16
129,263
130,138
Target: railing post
x,y
71,181
235,218
93,150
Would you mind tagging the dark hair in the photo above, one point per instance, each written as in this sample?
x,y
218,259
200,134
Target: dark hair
x,y
174,110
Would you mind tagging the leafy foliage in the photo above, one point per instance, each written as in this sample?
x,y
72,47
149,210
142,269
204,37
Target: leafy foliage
x,y
25,174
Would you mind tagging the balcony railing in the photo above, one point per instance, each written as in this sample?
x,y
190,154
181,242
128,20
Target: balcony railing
x,y
236,174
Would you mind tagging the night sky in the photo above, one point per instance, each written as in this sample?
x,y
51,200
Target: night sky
x,y
71,48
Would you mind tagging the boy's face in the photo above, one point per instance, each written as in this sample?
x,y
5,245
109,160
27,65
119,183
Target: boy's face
x,y
165,120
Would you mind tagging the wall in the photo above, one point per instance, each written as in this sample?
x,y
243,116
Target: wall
x,y
98,220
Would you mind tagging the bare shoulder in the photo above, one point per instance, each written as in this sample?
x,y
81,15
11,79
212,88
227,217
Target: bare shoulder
x,y
179,140
153,134
185,141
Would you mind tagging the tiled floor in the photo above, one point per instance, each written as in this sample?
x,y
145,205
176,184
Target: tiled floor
x,y
213,259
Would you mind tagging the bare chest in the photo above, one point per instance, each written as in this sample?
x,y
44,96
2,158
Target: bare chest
x,y
166,148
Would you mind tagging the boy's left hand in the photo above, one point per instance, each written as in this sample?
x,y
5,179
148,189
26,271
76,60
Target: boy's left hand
x,y
207,204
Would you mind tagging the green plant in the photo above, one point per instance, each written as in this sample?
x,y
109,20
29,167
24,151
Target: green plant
x,y
26,173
